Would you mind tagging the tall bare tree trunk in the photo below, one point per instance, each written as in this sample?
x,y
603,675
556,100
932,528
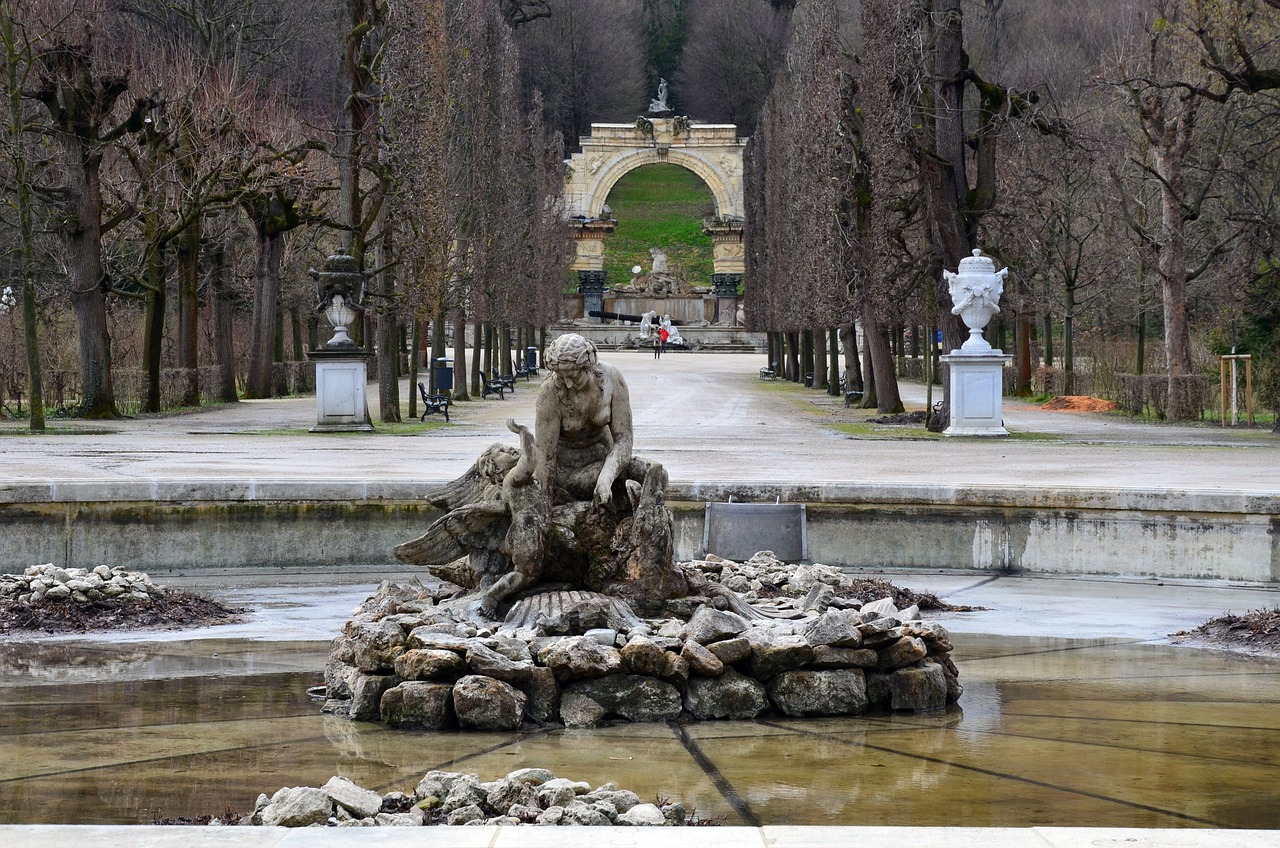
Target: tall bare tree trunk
x,y
224,349
266,302
460,371
188,254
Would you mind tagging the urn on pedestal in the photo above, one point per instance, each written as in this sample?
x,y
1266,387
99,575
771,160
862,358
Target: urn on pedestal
x,y
341,364
976,370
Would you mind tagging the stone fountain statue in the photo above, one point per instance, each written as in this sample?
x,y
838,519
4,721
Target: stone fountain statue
x,y
573,505
554,596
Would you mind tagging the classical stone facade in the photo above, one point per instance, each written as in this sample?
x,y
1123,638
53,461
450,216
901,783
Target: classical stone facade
x,y
712,151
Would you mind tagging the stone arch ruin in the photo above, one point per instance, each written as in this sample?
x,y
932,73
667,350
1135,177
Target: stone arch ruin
x,y
711,151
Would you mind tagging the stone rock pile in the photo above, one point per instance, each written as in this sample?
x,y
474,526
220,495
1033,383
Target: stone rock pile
x,y
407,661
49,582
527,796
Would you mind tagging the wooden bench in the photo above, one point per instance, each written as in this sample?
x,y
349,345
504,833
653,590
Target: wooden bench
x,y
770,373
489,388
434,404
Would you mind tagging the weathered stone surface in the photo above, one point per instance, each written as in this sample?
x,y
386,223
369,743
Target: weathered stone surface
x,y
952,674
465,815
712,625
772,654
297,806
619,800
643,815
418,704
730,651
543,692
911,613
502,794
436,784
629,696
883,608
490,663
835,628
338,671
878,632
577,657
936,638
825,656
413,818
585,814
577,710
819,693
366,695
531,776
900,654
362,803
429,664
701,660
920,689
877,689
730,696
643,656
464,791
425,637
484,703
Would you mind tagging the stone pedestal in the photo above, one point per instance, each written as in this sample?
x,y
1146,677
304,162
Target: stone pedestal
x,y
341,400
977,393
591,285
726,292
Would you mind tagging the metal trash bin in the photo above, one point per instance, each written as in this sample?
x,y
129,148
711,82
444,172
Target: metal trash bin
x,y
444,374
531,358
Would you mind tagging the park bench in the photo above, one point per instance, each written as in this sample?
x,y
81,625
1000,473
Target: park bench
x,y
850,398
526,371
506,381
770,373
489,388
433,404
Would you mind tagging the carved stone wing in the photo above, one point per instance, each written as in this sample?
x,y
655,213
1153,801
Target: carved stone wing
x,y
457,533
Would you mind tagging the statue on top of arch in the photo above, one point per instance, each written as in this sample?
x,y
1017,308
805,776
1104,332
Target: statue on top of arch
x,y
659,106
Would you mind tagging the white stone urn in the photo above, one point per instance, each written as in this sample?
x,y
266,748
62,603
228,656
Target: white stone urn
x,y
975,289
340,315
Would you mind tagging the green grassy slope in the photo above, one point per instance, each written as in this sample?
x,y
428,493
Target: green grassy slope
x,y
659,206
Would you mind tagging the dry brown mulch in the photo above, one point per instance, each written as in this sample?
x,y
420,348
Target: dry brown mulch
x,y
176,609
1080,403
873,590
1256,632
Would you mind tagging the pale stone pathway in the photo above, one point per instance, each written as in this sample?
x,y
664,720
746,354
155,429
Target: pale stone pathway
x,y
707,417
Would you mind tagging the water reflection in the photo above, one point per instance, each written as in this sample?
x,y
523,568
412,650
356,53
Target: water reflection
x,y
1052,732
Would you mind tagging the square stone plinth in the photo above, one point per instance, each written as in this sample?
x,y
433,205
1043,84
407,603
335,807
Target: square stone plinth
x,y
977,393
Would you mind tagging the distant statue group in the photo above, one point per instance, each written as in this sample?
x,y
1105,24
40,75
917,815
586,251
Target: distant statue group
x,y
660,105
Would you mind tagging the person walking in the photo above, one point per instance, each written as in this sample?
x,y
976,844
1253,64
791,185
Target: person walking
x,y
661,345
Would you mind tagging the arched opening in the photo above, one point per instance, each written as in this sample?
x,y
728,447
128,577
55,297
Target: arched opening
x,y
660,206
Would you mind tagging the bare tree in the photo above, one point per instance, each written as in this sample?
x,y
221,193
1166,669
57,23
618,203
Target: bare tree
x,y
80,93
587,60
733,49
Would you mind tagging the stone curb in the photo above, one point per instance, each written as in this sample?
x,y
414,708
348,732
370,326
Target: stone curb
x,y
1224,501
781,836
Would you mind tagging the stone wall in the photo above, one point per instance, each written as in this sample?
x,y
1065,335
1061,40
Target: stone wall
x,y
407,661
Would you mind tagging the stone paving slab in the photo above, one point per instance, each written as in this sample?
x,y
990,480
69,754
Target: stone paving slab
x,y
89,836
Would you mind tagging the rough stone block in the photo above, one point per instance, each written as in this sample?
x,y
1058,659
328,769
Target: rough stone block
x,y
484,703
919,689
418,704
730,696
819,693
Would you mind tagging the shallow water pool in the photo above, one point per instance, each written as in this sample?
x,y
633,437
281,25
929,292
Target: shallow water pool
x,y
1049,732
